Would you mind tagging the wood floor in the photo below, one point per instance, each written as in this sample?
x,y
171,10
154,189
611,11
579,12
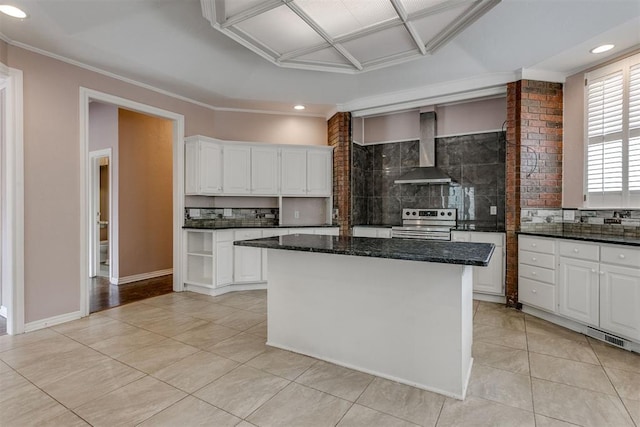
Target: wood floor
x,y
105,295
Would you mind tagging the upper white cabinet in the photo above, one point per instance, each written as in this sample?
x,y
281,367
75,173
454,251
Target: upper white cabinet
x,y
319,168
264,170
306,172
236,169
203,166
293,171
214,167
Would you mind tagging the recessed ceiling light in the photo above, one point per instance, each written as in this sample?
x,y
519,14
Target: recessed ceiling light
x,y
299,107
12,11
602,48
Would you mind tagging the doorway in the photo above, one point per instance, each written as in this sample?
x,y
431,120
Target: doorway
x,y
88,219
100,249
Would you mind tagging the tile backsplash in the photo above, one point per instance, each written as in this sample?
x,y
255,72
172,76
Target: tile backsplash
x,y
615,222
475,162
231,217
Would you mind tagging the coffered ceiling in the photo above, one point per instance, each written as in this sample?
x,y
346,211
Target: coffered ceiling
x,y
388,54
343,35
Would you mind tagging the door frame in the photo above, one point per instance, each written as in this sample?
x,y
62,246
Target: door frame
x,y
94,198
86,96
12,248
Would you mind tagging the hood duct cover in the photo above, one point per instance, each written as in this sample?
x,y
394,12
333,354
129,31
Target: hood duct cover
x,y
427,173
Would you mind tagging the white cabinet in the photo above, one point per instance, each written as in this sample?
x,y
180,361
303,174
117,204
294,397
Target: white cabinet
x,y
306,172
237,169
224,257
620,291
380,232
489,279
578,290
537,272
264,171
319,165
203,166
247,262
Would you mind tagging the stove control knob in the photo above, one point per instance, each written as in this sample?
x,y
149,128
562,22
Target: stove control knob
x,y
441,213
449,213
413,213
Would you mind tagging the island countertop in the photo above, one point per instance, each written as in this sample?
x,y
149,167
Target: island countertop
x,y
464,253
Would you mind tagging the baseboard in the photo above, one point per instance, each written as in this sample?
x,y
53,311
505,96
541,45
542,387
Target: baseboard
x,y
489,298
3,311
143,276
51,321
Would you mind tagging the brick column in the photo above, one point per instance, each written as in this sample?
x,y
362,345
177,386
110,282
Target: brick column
x,y
339,136
534,160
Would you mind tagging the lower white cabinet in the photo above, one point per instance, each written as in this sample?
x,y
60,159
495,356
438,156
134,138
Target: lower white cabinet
x,y
489,279
620,300
247,262
212,262
578,290
596,284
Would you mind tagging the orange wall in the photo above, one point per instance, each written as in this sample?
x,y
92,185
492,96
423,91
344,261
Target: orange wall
x,y
52,170
145,193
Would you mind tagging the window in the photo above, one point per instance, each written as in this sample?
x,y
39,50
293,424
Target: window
x,y
613,135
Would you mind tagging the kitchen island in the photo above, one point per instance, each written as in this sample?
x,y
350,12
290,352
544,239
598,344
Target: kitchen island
x,y
396,308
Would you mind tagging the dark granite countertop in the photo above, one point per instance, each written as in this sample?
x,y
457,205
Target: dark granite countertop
x,y
227,227
404,249
597,238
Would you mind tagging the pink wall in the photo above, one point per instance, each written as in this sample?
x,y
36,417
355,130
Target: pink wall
x,y
52,169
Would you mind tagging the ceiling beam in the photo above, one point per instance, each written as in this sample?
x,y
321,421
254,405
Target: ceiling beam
x,y
402,13
251,12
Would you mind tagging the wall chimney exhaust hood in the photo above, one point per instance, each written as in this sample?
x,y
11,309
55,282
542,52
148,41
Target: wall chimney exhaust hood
x,y
427,173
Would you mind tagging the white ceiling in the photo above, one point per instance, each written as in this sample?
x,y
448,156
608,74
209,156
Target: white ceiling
x,y
170,45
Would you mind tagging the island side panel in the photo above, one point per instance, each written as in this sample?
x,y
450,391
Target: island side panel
x,y
407,321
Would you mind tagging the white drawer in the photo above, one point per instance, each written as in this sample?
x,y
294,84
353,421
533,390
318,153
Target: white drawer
x,y
537,273
537,259
620,255
537,244
536,293
460,236
573,249
247,234
224,236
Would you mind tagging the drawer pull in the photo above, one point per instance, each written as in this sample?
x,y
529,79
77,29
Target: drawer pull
x,y
593,270
575,250
602,273
533,291
534,259
533,273
533,245
621,256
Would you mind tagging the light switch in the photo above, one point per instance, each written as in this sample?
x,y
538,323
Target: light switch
x,y
296,214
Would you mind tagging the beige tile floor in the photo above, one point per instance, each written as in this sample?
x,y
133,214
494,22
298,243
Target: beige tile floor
x,y
187,360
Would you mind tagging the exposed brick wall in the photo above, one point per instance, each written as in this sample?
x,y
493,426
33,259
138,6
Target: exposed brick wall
x,y
534,160
339,135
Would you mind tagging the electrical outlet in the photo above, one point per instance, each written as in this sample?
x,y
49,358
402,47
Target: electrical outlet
x,y
227,212
493,210
296,214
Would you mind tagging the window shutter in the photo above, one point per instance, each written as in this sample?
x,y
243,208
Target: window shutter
x,y
604,128
634,128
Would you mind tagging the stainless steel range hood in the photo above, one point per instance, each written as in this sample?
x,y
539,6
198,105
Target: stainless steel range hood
x,y
427,173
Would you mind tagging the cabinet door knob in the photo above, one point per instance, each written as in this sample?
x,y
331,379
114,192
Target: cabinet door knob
x,y
533,245
575,250
602,273
621,256
533,273
534,291
534,259
593,270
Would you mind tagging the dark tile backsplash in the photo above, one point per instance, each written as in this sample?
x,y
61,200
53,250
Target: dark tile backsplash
x,y
475,162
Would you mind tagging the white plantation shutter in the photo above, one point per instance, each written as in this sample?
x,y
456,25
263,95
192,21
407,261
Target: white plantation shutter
x,y
613,135
634,128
